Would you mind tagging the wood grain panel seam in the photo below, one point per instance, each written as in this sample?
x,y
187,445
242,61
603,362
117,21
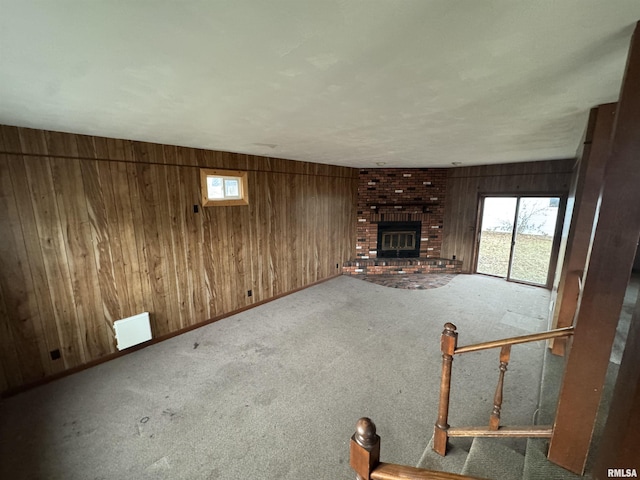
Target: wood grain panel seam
x,y
95,159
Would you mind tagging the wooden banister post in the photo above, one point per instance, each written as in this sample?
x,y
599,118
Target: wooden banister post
x,y
448,344
364,449
494,419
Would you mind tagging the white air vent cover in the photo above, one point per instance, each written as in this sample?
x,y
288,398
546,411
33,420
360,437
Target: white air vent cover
x,y
132,330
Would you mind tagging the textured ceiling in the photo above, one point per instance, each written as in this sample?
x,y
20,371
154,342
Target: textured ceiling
x,y
408,83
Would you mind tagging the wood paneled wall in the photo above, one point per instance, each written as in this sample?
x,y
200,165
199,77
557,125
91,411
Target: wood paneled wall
x,y
95,229
465,185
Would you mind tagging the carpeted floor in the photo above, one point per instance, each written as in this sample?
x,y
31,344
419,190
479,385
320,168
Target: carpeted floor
x,y
274,392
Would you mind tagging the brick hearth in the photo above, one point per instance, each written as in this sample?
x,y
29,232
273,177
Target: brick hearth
x,y
401,195
401,266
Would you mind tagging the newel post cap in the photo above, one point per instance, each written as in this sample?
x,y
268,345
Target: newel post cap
x,y
449,328
365,432
364,448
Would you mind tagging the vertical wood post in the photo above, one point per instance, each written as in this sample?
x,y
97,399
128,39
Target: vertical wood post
x,y
494,419
448,344
587,190
613,248
364,449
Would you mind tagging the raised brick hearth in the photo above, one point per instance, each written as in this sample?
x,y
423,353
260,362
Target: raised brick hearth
x,y
401,266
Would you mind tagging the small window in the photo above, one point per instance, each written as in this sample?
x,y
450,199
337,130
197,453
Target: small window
x,y
223,187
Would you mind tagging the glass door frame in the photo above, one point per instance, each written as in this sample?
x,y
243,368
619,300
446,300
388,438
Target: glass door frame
x,y
557,235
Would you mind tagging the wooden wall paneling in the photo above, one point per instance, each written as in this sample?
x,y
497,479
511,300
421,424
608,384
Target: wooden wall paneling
x,y
46,325
192,244
123,225
180,209
307,228
76,229
164,182
20,306
115,265
10,374
86,147
56,262
294,225
100,233
111,246
226,277
310,230
197,257
32,141
252,253
209,260
61,144
268,234
110,223
319,227
151,242
132,224
329,226
258,205
340,234
288,228
275,240
238,226
218,243
241,242
16,323
230,251
277,237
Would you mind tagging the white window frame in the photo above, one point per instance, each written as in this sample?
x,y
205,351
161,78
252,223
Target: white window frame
x,y
227,180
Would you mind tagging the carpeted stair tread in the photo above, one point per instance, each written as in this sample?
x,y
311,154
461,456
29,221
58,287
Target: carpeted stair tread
x,y
488,458
452,462
538,467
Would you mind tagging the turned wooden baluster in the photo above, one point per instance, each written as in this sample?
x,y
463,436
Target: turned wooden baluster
x,y
364,449
448,343
494,419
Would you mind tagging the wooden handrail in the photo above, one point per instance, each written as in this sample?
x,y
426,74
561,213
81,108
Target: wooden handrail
x,y
449,348
364,458
390,471
534,337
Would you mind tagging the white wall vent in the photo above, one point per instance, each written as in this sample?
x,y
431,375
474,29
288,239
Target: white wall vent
x,y
131,331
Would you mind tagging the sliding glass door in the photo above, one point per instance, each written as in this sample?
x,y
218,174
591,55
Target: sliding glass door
x,y
517,236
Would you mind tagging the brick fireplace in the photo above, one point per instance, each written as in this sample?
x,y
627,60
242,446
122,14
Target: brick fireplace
x,y
398,202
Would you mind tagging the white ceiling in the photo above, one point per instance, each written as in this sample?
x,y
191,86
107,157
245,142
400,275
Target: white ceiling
x,y
412,83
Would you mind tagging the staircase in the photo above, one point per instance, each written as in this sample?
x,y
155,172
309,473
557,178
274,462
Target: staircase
x,y
517,458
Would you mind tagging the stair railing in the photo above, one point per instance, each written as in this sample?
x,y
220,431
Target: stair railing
x,y
449,348
364,458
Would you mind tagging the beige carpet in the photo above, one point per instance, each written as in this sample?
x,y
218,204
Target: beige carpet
x,y
275,392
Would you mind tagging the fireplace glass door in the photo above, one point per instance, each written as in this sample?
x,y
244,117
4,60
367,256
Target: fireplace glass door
x,y
398,239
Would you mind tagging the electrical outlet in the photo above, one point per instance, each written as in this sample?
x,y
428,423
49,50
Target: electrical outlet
x,y
55,354
249,293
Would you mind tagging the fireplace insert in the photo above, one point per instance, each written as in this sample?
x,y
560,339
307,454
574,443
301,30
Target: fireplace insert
x,y
398,239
